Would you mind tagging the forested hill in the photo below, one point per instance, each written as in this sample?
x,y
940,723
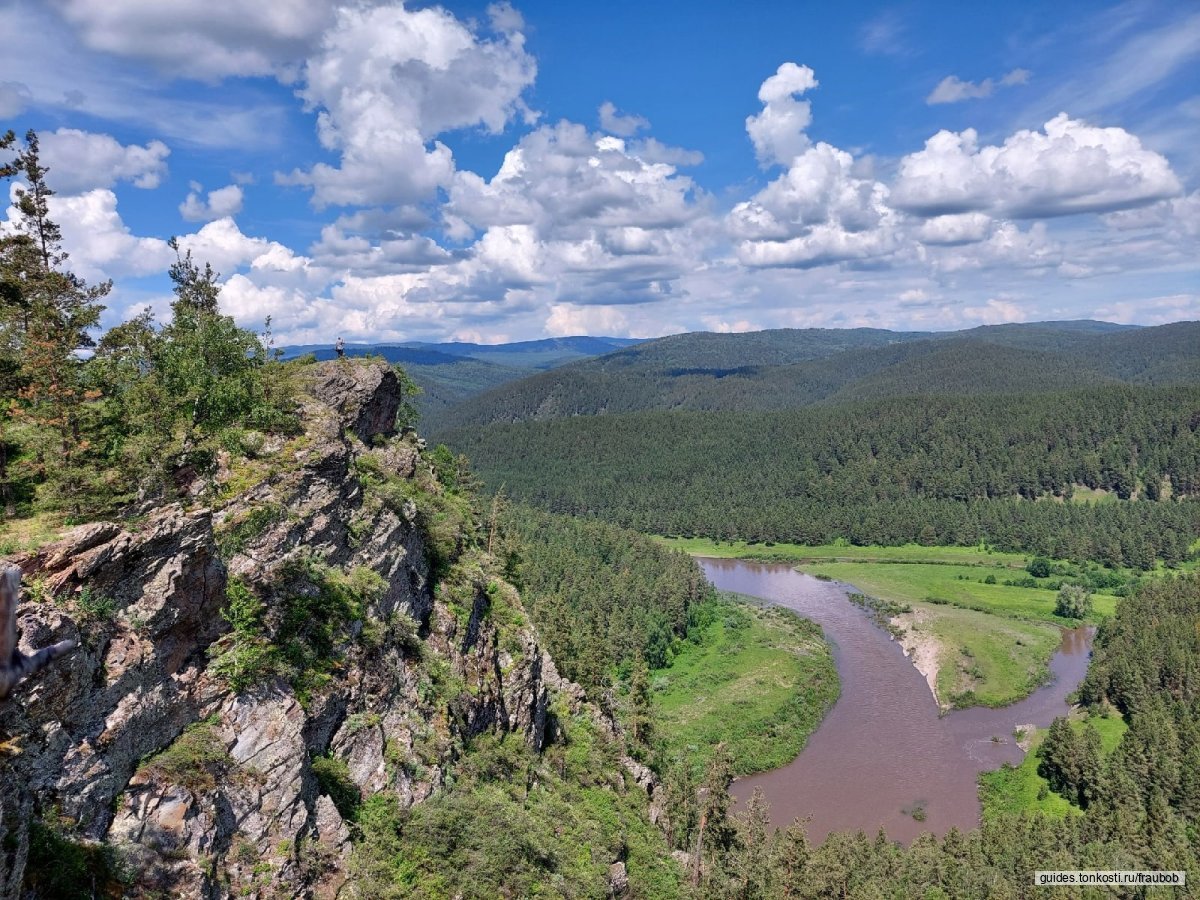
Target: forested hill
x,y
953,470
788,369
449,373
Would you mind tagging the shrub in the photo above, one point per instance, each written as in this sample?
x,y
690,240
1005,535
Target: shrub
x,y
194,761
333,779
1073,602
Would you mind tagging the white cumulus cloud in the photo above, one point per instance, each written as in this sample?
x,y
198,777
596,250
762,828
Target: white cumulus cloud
x,y
388,80
1069,167
205,39
79,161
778,131
818,212
620,124
218,204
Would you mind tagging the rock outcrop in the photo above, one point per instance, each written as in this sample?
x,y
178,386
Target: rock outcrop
x,y
234,652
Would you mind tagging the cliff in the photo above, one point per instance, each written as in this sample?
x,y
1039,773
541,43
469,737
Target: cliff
x,y
309,626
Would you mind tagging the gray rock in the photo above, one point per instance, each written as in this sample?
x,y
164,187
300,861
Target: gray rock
x,y
259,822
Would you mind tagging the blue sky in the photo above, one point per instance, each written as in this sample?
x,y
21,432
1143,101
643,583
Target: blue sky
x,y
499,172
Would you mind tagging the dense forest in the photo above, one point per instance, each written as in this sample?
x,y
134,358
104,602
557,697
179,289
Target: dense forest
x,y
999,470
786,369
569,572
449,373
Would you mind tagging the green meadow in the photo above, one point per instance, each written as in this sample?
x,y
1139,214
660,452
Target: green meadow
x,y
987,660
758,678
909,553
963,586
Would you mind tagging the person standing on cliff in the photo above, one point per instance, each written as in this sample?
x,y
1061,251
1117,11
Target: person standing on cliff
x,y
340,348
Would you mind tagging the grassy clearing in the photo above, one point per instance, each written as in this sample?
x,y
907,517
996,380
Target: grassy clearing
x,y
760,679
962,586
986,660
1084,494
29,533
910,553
1016,789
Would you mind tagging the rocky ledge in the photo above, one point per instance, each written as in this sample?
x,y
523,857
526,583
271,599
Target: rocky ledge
x,y
242,655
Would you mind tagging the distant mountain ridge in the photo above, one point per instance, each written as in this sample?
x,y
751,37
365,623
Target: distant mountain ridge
x,y
792,368
449,373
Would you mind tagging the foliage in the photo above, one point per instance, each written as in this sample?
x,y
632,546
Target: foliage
x,y
1073,602
46,314
149,409
63,867
244,656
945,471
333,779
195,760
600,596
791,368
757,679
1071,762
516,823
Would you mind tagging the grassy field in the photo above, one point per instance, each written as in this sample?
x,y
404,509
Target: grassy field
x,y
1015,789
29,533
986,660
761,679
962,586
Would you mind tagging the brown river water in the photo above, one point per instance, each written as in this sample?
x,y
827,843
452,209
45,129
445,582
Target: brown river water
x,y
883,748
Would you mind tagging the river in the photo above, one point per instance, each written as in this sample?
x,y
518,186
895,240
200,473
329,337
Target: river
x,y
883,748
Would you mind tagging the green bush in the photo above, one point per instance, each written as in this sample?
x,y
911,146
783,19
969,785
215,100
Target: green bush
x,y
333,779
196,759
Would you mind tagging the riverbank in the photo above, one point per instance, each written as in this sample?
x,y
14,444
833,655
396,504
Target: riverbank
x,y
978,627
885,755
758,678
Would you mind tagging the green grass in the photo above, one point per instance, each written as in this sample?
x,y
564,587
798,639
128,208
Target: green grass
x,y
1016,789
1083,494
760,679
909,553
958,585
987,660
27,534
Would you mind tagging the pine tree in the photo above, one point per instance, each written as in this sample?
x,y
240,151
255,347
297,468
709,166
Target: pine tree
x,y
51,313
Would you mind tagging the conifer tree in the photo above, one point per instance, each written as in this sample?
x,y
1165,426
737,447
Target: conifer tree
x,y
49,314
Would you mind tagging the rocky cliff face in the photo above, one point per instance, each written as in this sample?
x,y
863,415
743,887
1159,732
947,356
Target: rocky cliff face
x,y
250,655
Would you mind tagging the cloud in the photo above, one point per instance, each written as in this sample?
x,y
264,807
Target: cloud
x,y
79,161
100,245
1137,66
1070,167
222,202
14,98
953,89
204,39
622,125
996,311
884,36
1006,247
62,74
387,81
778,131
964,228
818,212
1153,310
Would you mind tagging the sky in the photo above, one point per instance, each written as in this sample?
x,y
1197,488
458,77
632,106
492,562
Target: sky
x,y
388,171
